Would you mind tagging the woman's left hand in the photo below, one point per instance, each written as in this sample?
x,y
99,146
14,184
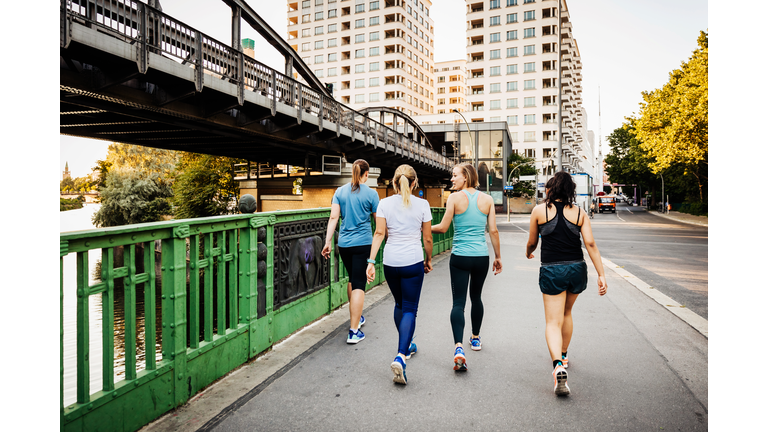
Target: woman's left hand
x,y
497,266
370,272
427,266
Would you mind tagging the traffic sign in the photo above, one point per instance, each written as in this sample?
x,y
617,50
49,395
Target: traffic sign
x,y
509,187
527,177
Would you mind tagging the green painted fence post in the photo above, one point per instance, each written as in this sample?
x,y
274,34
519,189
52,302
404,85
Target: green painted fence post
x,y
270,279
63,246
174,269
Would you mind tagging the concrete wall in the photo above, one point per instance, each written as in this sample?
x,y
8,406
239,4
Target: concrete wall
x,y
521,205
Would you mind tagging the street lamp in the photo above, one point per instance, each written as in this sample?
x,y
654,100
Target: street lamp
x,y
471,142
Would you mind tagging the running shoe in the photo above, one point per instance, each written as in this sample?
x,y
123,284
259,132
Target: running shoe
x,y
475,343
362,321
565,361
561,381
459,361
354,338
411,350
398,368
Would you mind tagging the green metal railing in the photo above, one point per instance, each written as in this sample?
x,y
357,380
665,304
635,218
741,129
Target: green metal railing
x,y
215,281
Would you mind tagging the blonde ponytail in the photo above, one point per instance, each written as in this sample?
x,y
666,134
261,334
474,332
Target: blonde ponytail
x,y
405,177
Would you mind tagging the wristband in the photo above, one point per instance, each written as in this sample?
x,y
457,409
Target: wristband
x,y
370,261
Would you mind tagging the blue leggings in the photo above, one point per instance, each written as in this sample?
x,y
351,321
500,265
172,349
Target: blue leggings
x,y
405,284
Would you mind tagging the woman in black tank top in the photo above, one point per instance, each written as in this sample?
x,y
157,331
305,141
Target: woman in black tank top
x,y
562,226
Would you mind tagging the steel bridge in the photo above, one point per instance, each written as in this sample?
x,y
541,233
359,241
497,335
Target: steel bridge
x,y
130,73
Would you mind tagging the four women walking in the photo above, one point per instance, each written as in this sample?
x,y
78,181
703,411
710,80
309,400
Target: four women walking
x,y
470,211
405,221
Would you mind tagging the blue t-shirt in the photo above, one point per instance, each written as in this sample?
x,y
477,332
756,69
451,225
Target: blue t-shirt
x,y
356,210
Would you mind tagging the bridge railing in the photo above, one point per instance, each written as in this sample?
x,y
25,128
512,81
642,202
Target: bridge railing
x,y
185,302
154,31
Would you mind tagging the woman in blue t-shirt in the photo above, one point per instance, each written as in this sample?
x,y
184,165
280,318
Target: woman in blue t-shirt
x,y
355,203
470,211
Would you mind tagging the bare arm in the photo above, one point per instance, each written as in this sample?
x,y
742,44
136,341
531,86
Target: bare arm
x,y
426,235
378,237
335,213
493,232
533,233
445,224
594,255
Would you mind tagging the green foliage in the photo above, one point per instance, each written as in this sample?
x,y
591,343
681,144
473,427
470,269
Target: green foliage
x,y
71,203
138,185
79,184
204,186
695,208
102,166
522,166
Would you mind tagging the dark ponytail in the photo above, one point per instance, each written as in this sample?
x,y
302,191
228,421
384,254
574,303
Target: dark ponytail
x,y
561,187
359,168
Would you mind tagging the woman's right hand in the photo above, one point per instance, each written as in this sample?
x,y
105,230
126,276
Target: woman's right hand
x,y
602,285
326,250
370,272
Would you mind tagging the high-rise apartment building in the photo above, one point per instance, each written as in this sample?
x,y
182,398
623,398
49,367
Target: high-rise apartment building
x,y
373,52
451,86
514,50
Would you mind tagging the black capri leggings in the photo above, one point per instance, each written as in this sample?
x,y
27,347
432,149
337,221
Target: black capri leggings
x,y
467,271
355,259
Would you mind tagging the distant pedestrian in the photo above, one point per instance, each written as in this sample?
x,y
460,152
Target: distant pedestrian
x,y
563,272
470,210
355,202
406,221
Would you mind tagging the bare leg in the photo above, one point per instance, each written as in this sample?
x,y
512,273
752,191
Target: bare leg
x,y
356,301
554,311
568,320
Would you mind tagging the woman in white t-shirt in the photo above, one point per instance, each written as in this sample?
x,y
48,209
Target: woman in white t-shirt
x,y
405,220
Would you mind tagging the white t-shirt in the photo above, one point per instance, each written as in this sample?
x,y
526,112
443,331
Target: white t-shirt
x,y
403,246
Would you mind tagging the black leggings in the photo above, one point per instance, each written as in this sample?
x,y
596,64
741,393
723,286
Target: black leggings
x,y
467,271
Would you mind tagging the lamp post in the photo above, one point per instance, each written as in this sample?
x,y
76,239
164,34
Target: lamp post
x,y
509,180
662,193
471,142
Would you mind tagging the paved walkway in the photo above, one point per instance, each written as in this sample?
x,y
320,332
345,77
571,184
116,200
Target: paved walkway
x,y
634,366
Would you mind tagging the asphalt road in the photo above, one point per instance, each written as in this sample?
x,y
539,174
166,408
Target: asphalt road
x,y
670,256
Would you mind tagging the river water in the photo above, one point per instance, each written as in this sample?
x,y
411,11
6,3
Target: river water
x,y
76,220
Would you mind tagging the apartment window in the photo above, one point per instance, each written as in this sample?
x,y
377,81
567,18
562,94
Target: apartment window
x,y
331,72
373,51
373,82
512,52
306,18
359,8
360,98
331,57
359,38
359,83
529,50
441,101
331,42
495,70
331,28
319,2
529,32
319,73
511,3
319,44
441,90
373,21
530,67
373,36
529,119
305,32
511,85
495,20
305,46
359,23
495,37
529,102
359,53
495,54
373,97
511,69
511,18
305,59
495,4
332,13
530,136
512,120
441,79
495,104
512,103
359,68
529,1
319,58
529,84
530,153
306,4
497,118
319,30
512,35
374,5
318,16
495,87
373,67
529,15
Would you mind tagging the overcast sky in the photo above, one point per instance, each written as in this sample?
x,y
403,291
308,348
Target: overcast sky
x,y
626,47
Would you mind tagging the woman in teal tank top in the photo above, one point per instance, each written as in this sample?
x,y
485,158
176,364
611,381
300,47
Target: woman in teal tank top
x,y
470,210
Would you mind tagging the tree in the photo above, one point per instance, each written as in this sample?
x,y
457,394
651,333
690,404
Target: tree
x,y
138,185
672,126
522,166
627,162
204,186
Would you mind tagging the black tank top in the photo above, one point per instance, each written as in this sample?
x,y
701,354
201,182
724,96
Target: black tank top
x,y
560,238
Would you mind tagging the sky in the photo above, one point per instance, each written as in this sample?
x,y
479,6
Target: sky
x,y
626,47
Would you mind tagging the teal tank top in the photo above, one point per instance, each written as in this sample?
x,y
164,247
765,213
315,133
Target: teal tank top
x,y
469,230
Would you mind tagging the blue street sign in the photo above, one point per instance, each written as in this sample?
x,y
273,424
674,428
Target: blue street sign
x,y
509,187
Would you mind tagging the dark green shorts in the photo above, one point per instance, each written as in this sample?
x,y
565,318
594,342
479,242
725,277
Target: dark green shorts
x,y
555,278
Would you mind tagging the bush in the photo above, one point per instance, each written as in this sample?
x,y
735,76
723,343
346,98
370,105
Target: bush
x,y
696,208
70,204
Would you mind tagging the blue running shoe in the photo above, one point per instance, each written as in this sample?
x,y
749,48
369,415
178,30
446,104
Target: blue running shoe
x,y
411,350
459,361
398,368
362,321
475,343
354,338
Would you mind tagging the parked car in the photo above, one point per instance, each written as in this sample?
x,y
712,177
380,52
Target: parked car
x,y
606,203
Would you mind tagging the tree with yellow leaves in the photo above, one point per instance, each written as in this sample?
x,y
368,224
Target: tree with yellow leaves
x,y
673,124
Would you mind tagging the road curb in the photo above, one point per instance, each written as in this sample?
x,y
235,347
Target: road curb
x,y
678,220
688,316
